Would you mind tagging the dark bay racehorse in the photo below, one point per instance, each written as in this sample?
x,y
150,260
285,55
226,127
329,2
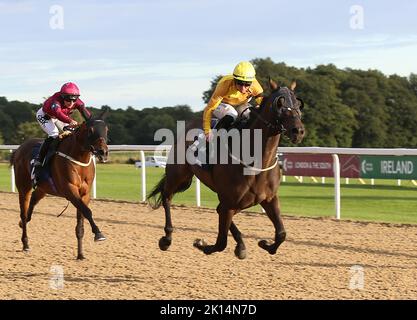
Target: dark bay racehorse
x,y
279,113
72,171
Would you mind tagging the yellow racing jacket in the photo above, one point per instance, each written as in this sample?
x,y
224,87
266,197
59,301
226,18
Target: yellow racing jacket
x,y
226,92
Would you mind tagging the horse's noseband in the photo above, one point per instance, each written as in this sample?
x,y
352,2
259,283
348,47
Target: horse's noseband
x,y
92,138
279,110
277,124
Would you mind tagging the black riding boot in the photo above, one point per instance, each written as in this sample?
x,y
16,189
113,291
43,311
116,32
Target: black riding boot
x,y
224,123
42,152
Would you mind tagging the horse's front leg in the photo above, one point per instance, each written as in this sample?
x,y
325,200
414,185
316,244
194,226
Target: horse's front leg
x,y
240,249
225,221
274,213
79,233
79,229
74,197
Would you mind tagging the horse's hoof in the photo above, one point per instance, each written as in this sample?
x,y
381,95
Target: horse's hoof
x,y
200,244
26,249
99,237
164,243
267,246
264,245
240,252
209,250
80,257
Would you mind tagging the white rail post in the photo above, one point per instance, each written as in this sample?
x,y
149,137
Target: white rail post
x,y
143,168
12,175
323,180
336,168
372,181
95,178
197,192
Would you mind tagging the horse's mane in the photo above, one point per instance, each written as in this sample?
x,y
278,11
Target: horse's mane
x,y
254,112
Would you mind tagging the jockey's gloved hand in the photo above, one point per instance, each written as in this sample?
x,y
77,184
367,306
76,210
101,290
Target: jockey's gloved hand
x,y
71,126
209,136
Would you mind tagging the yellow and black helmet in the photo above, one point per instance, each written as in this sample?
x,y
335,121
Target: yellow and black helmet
x,y
244,71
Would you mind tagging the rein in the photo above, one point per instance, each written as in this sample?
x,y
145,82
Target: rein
x,y
278,126
82,164
253,168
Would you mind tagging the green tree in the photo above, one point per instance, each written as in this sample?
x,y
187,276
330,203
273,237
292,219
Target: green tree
x,y
401,107
413,83
27,130
328,121
208,93
7,126
362,93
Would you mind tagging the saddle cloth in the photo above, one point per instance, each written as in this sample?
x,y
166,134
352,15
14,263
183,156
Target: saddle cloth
x,y
44,173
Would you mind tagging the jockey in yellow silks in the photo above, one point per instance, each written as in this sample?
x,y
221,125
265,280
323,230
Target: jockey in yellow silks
x,y
231,97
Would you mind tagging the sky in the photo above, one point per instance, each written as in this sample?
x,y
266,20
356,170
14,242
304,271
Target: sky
x,y
166,52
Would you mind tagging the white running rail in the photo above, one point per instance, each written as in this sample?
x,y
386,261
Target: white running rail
x,y
313,150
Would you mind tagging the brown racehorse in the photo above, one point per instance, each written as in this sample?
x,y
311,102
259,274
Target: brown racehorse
x,y
279,113
72,173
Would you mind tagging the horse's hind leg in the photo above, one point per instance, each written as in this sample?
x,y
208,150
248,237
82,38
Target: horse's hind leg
x,y
225,221
37,195
178,178
24,204
274,213
240,250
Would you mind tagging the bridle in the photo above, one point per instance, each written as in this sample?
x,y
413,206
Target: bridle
x,y
92,138
278,124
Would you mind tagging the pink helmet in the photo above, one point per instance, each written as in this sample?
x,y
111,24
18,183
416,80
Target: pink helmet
x,y
70,89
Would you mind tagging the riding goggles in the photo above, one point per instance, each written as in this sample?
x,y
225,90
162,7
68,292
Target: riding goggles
x,y
70,97
243,83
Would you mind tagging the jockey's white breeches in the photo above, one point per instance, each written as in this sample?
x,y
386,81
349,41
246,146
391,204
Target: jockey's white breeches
x,y
50,125
224,109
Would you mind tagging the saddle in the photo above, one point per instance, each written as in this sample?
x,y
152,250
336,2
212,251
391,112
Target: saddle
x,y
44,173
240,123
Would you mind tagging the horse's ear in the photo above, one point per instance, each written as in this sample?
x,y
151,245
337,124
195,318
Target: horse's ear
x,y
272,84
103,114
293,85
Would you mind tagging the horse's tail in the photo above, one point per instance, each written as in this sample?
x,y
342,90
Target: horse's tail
x,y
155,197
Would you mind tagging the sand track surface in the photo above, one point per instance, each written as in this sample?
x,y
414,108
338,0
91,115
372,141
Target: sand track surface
x,y
321,259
